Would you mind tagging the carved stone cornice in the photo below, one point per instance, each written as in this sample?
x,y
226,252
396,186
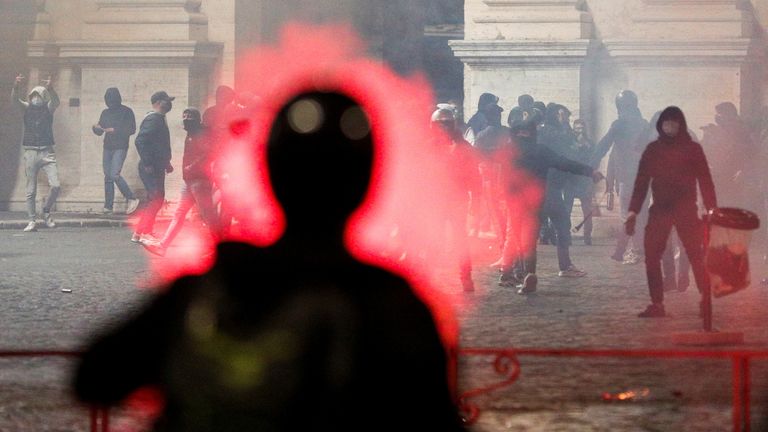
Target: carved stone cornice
x,y
126,54
539,53
700,52
534,19
146,20
665,18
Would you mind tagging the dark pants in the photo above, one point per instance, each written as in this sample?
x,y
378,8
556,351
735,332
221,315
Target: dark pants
x,y
154,183
112,163
584,196
521,240
690,229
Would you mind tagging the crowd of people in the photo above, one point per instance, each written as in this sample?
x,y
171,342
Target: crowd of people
x,y
538,139
564,161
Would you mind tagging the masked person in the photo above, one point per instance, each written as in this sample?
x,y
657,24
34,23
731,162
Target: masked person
x,y
627,138
580,188
730,147
37,142
488,136
196,164
464,166
154,146
535,160
117,123
294,337
672,165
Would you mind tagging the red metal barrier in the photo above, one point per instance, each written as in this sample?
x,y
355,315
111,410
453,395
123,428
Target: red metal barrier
x,y
506,363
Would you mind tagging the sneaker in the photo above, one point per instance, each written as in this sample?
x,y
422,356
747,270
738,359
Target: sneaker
x,y
49,220
509,281
136,238
617,257
31,226
587,241
132,205
631,258
572,272
155,248
149,239
654,310
529,284
106,211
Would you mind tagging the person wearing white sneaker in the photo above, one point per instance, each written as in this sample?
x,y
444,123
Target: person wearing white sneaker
x,y
572,272
117,123
37,142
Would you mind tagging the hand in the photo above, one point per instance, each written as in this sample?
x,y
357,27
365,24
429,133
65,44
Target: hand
x,y
169,168
19,79
109,130
629,224
597,176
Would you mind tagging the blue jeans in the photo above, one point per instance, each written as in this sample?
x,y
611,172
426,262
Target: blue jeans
x,y
154,183
113,163
36,159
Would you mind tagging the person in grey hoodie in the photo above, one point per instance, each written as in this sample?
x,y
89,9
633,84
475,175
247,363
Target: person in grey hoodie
x,y
38,143
117,123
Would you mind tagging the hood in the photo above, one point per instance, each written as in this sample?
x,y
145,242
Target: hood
x,y
551,115
194,112
42,91
224,95
112,97
487,99
676,114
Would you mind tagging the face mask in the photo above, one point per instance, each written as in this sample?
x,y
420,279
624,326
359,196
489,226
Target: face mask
x,y
191,124
36,101
166,106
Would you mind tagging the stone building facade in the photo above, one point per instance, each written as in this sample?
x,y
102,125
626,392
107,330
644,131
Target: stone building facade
x,y
185,47
691,53
581,53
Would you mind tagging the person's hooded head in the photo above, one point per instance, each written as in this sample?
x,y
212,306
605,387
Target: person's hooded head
x,y
627,103
489,106
552,115
522,127
726,113
672,126
39,97
112,97
192,120
224,95
320,156
525,101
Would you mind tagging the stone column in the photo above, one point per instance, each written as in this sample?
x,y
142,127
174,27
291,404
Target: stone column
x,y
513,47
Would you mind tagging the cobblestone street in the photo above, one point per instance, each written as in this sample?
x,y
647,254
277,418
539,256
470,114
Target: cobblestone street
x,y
102,269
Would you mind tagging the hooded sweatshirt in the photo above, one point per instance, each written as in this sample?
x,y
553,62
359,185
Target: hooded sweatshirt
x,y
118,117
38,120
672,166
626,136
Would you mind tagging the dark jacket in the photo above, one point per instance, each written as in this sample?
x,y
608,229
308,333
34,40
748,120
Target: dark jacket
x,y
154,141
672,167
118,117
196,162
38,121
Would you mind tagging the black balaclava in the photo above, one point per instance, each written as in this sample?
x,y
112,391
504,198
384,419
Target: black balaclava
x,y
194,124
726,112
112,97
525,101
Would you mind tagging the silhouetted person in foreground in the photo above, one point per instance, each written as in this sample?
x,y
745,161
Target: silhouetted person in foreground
x,y
672,166
297,336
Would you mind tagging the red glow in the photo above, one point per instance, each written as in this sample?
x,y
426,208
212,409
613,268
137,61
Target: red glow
x,y
411,184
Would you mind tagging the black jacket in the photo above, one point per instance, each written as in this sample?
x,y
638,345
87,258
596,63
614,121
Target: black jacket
x,y
672,167
154,141
120,118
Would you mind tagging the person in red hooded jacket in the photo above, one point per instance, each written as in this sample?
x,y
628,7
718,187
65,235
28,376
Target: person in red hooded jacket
x,y
672,165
